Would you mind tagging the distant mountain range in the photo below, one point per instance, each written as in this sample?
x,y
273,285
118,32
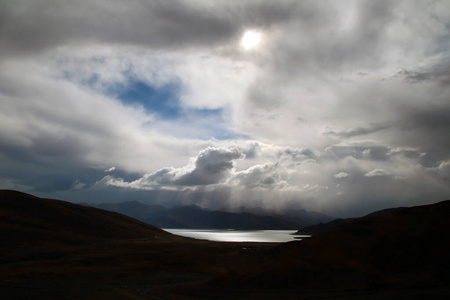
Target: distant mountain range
x,y
195,217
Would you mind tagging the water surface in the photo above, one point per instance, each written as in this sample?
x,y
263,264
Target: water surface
x,y
220,235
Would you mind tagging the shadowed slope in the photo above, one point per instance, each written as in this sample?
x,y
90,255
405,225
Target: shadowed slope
x,y
28,221
52,249
322,227
408,247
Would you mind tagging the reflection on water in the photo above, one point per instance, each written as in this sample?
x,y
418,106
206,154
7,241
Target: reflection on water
x,y
267,236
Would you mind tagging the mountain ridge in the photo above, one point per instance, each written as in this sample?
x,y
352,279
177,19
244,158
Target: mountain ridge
x,y
323,227
195,217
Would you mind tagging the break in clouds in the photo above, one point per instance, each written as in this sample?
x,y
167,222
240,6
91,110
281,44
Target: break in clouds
x,y
340,107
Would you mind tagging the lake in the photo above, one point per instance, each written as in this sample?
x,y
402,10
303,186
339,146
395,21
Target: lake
x,y
220,235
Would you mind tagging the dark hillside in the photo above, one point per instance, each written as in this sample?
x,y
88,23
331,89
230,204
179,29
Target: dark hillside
x,y
406,248
28,221
142,212
322,227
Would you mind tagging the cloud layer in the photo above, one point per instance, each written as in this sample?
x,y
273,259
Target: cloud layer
x,y
343,107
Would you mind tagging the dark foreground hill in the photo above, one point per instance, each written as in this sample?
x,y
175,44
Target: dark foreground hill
x,y
56,250
402,253
195,217
28,222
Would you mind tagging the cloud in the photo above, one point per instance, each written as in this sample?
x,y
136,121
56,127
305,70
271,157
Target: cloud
x,y
377,172
341,175
439,73
265,176
161,24
211,166
286,180
356,131
78,185
30,28
334,88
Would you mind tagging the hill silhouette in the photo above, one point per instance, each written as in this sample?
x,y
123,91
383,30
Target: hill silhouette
x,y
27,222
53,249
322,227
397,250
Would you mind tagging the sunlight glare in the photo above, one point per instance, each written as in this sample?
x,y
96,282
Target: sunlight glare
x,y
250,39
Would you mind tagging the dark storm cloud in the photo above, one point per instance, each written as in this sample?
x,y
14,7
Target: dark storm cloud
x,y
44,163
51,164
321,45
438,73
25,172
427,128
39,25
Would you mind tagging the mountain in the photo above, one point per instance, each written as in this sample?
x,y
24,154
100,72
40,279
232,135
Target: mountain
x,y
195,217
301,216
322,227
311,216
27,222
135,209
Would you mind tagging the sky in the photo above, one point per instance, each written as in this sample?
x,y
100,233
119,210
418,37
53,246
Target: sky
x,y
341,107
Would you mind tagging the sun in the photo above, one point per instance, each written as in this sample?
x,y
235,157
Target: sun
x,y
250,39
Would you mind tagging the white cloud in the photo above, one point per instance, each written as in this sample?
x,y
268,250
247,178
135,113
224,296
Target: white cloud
x,y
78,185
259,176
341,175
211,166
110,169
377,172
